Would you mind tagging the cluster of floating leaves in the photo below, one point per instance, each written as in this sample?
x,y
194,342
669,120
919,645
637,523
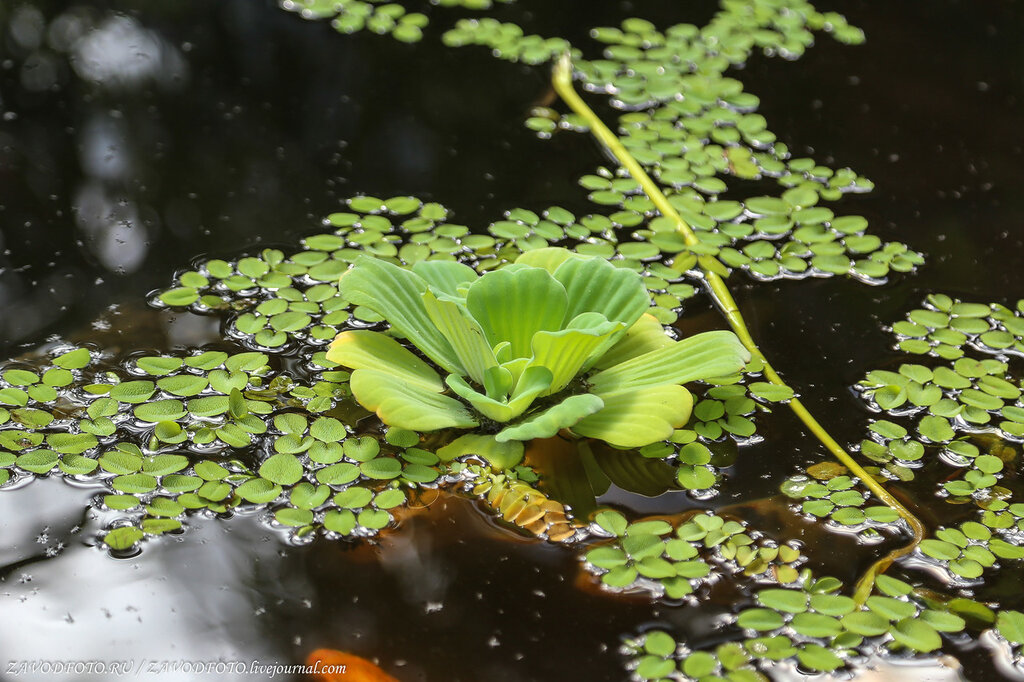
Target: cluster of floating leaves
x,y
813,625
254,436
674,562
377,16
688,125
208,430
842,501
963,411
352,16
290,303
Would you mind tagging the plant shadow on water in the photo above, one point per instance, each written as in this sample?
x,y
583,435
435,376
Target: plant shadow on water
x,y
217,128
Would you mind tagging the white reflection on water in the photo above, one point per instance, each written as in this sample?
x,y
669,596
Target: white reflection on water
x,y
121,53
191,601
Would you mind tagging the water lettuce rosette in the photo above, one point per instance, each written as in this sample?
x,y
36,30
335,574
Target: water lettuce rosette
x,y
553,341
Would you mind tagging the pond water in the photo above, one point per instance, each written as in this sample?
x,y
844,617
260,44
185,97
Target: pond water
x,y
196,129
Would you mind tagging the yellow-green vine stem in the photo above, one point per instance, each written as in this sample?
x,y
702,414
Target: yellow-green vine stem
x,y
720,293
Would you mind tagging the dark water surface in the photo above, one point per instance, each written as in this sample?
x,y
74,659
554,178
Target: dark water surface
x,y
197,127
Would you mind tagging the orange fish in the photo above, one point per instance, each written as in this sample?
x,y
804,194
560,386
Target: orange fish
x,y
331,665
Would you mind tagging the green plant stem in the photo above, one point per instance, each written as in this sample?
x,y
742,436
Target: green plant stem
x,y
562,81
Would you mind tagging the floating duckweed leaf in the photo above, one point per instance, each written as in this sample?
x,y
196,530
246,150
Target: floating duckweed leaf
x,y
307,496
338,474
891,608
121,502
340,521
382,468
233,435
123,538
283,469
159,526
20,377
31,417
816,625
183,384
762,620
771,392
374,519
361,449
389,499
1011,626
134,392
176,483
179,297
790,601
37,461
73,359
134,483
159,366
161,465
659,643
892,586
213,491
916,634
71,443
404,438
259,490
160,411
58,378
206,361
943,621
817,657
289,516
13,396
163,506
612,522
77,465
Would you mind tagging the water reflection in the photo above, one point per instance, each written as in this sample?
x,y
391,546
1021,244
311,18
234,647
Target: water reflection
x,y
120,53
199,600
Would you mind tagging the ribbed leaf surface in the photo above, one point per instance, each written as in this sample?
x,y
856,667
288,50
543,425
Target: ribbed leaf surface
x,y
406,405
533,382
463,333
444,276
711,354
645,335
513,305
552,420
565,352
397,296
364,349
632,419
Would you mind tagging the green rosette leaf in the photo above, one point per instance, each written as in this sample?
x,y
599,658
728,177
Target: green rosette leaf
x,y
549,422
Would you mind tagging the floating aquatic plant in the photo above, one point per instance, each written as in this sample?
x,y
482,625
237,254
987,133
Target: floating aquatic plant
x,y
160,431
554,341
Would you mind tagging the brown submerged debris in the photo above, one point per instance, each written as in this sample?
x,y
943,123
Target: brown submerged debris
x,y
530,509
